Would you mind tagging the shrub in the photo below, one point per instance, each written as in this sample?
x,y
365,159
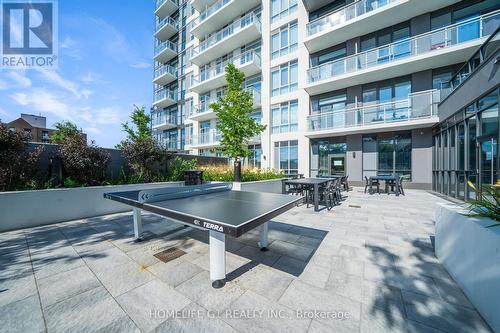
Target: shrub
x,y
83,164
487,203
225,174
17,165
177,167
147,159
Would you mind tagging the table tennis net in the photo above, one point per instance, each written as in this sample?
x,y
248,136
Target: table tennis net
x,y
169,193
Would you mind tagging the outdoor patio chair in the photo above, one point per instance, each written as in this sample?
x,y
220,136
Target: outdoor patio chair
x,y
326,195
400,180
345,183
373,183
390,184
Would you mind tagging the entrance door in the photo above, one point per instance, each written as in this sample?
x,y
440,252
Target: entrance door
x,y
488,154
337,165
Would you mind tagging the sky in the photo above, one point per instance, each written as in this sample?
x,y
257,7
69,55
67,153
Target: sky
x,y
105,67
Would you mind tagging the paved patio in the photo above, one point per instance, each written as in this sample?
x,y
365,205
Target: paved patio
x,y
365,266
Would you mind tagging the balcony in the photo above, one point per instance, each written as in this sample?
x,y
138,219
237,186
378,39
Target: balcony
x,y
441,47
166,28
165,122
219,14
256,97
362,17
164,98
214,77
164,75
171,144
202,5
166,8
239,33
419,110
165,51
206,139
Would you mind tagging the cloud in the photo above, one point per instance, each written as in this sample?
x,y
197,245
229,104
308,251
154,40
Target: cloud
x,y
3,84
41,100
90,77
19,79
3,112
141,65
100,116
71,48
70,86
91,130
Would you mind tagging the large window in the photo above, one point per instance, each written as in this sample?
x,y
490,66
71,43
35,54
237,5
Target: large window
x,y
254,160
282,8
284,40
284,78
286,156
328,156
284,117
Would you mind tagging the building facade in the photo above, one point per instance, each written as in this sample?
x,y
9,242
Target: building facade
x,y
343,86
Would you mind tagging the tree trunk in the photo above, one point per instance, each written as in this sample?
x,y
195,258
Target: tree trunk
x,y
237,169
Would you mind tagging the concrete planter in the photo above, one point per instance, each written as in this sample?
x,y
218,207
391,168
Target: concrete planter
x,y
23,209
470,252
269,186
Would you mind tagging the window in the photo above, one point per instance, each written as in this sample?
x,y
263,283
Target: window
x,y
282,8
284,40
286,156
254,160
387,36
441,81
284,117
284,79
394,155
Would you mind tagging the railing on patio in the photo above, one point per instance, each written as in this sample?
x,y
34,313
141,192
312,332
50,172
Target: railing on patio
x,y
219,69
210,10
256,97
165,45
344,14
171,119
159,3
164,94
167,20
163,69
211,136
419,105
431,41
226,32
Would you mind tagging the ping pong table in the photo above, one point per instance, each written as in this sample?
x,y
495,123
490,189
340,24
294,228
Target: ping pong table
x,y
213,207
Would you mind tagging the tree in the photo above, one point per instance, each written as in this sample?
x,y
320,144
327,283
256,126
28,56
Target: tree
x,y
142,122
236,126
64,130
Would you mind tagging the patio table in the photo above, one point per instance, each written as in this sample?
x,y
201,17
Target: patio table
x,y
315,183
386,179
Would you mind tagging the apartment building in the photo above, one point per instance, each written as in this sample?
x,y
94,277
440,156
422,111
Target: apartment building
x,y
343,86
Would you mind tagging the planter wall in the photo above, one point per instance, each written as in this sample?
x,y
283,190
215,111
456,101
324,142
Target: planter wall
x,y
269,186
25,209
470,252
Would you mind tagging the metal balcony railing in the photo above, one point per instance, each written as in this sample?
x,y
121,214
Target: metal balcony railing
x,y
225,33
418,105
219,69
210,10
165,45
345,14
164,94
166,119
210,136
431,41
159,3
167,20
163,69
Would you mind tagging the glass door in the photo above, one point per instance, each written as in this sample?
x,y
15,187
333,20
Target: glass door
x,y
488,154
337,165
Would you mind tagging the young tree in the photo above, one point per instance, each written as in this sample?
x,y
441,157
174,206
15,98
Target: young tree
x,y
236,126
142,122
64,130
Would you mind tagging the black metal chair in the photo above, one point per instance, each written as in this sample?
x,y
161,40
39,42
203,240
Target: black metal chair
x,y
345,183
370,183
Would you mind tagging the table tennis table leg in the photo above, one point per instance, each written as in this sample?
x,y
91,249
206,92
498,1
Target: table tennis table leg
x,y
217,259
137,224
263,237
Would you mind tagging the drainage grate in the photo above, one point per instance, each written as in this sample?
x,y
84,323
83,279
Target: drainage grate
x,y
354,206
169,254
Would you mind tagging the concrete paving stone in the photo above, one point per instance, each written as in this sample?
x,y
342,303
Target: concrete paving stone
x,y
293,250
61,286
174,272
16,288
122,278
265,281
442,315
316,275
290,265
120,325
49,262
286,236
344,284
103,259
147,304
451,293
347,265
233,262
270,316
89,311
194,318
337,326
368,255
15,267
302,296
199,289
22,316
255,254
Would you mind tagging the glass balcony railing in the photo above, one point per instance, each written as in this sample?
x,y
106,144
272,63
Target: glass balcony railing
x,y
205,106
256,97
165,45
418,105
171,143
165,119
165,94
212,9
164,69
439,39
159,3
225,33
167,20
345,14
219,69
210,136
